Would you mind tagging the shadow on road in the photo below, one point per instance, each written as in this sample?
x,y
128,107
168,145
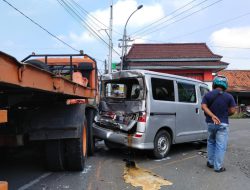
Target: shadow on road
x,y
122,152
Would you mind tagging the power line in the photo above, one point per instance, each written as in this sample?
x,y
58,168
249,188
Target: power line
x,y
231,47
175,16
77,9
90,15
211,26
205,28
40,26
71,11
242,58
185,17
75,14
87,13
225,47
155,23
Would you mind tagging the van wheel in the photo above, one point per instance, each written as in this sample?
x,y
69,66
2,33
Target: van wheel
x,y
162,144
54,153
76,150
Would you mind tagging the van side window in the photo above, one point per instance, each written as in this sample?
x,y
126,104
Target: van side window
x,y
203,91
186,92
162,89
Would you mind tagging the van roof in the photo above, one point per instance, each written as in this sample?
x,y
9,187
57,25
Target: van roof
x,y
134,73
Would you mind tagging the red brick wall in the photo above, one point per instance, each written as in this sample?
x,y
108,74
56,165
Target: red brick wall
x,y
203,75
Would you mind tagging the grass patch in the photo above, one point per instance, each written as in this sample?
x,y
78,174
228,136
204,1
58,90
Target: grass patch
x,y
237,116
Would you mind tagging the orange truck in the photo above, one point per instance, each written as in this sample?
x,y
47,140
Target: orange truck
x,y
50,99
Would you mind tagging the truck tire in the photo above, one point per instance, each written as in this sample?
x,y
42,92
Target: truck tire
x,y
54,153
91,142
162,144
76,150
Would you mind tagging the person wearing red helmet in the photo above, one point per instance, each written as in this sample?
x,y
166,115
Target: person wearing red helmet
x,y
218,105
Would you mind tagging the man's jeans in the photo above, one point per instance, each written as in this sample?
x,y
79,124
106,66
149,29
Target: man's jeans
x,y
217,144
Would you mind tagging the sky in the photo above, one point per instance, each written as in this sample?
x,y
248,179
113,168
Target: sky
x,y
222,24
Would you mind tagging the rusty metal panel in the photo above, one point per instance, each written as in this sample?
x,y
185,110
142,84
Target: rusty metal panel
x,y
3,185
28,76
3,116
56,121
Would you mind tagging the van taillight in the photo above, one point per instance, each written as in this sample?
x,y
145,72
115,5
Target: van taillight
x,y
142,117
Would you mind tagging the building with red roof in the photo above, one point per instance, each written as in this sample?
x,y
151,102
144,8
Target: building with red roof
x,y
193,60
238,85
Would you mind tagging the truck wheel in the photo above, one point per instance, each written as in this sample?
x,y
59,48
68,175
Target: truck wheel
x,y
76,150
162,144
54,152
91,141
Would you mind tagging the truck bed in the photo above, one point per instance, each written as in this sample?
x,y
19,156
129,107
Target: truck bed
x,y
16,77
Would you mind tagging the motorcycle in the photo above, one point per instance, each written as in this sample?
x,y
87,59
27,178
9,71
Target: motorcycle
x,y
247,112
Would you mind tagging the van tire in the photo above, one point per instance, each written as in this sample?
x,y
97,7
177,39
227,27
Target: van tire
x,y
54,153
162,144
76,150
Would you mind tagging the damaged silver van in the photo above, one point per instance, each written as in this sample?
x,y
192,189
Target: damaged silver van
x,y
150,110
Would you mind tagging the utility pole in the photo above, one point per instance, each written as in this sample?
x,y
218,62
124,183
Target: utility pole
x,y
105,67
110,38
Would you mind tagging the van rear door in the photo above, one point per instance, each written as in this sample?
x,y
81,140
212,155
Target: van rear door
x,y
122,103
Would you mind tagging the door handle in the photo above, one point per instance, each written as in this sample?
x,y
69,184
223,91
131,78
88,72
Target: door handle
x,y
197,110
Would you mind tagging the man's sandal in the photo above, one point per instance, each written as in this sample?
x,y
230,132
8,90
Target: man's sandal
x,y
220,170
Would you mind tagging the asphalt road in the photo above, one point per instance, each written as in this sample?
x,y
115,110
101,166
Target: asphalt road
x,y
184,168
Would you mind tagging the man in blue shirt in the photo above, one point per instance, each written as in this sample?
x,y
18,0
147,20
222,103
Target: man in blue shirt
x,y
217,105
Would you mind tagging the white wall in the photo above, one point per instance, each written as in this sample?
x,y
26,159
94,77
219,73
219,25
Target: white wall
x,y
209,85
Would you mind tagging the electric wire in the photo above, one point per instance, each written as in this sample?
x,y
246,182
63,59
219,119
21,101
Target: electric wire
x,y
174,16
205,28
241,58
157,21
90,15
87,13
75,9
78,17
70,10
199,10
231,47
211,26
44,29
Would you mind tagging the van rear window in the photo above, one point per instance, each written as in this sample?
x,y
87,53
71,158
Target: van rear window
x,y
162,89
123,89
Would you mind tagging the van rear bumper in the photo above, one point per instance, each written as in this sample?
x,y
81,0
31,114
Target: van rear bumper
x,y
121,138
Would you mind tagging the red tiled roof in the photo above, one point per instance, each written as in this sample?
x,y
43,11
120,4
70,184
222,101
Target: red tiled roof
x,y
179,63
239,80
170,50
